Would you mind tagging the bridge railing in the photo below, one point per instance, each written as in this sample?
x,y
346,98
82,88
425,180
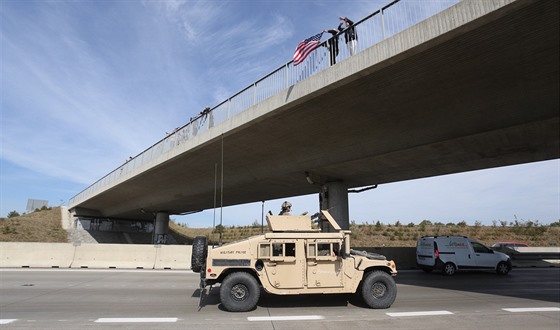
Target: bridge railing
x,y
374,28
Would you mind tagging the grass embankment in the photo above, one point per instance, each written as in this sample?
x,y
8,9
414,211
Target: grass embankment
x,y
45,226
39,226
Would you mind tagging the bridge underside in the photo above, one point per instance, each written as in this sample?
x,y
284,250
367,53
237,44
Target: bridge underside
x,y
482,96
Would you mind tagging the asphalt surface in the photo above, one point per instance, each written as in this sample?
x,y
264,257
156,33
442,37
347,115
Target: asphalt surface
x,y
144,299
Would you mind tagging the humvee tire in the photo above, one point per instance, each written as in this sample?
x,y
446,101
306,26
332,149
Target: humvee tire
x,y
379,290
239,292
199,253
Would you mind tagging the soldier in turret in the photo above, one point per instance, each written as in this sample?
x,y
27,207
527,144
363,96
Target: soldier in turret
x,y
286,208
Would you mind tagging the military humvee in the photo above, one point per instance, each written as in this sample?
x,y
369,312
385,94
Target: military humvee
x,y
293,259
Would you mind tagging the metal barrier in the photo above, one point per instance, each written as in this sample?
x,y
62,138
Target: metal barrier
x,y
374,28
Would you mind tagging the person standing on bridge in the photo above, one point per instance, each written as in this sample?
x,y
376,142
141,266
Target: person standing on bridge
x,y
350,35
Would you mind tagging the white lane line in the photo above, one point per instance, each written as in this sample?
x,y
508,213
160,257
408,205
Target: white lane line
x,y
534,309
285,318
429,313
137,320
7,321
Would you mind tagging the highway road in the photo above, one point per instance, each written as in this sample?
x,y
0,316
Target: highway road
x,y
528,298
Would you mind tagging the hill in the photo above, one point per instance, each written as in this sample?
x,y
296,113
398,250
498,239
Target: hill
x,y
40,226
397,235
45,226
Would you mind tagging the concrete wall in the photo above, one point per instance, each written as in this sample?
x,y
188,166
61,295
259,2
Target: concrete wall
x,y
55,255
66,255
130,256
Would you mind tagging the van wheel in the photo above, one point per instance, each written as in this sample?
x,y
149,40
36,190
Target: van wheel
x,y
239,292
199,253
503,268
449,269
379,290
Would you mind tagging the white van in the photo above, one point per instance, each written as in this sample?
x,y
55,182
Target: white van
x,y
452,253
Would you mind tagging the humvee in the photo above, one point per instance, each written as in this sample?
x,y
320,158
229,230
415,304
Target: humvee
x,y
294,258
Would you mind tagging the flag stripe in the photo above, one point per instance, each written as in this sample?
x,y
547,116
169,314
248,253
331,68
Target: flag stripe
x,y
305,47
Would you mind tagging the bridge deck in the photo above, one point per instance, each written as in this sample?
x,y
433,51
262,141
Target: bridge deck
x,y
473,87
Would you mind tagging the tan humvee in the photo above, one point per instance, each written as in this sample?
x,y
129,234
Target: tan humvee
x,y
294,259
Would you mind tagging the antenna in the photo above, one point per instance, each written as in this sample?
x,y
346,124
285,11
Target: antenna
x,y
222,192
215,198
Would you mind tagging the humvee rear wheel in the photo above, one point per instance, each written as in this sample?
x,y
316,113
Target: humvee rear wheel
x,y
239,292
199,253
379,290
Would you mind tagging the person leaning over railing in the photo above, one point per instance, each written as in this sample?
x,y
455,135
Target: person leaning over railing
x,y
333,45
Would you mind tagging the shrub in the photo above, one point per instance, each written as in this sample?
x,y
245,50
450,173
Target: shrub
x,y
13,214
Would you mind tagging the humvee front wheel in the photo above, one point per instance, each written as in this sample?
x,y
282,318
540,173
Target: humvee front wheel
x,y
379,290
239,292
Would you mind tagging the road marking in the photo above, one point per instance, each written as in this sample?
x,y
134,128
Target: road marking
x,y
7,321
137,320
536,309
285,318
429,313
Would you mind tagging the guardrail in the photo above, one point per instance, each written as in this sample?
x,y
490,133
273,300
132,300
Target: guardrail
x,y
374,28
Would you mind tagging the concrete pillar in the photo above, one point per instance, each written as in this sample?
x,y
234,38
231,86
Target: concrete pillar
x,y
161,228
334,198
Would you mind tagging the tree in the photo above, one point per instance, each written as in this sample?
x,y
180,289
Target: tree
x,y
425,223
219,229
13,214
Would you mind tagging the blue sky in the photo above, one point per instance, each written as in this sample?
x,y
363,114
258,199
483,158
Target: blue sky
x,y
86,84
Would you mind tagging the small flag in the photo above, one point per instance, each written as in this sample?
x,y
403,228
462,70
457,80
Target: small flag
x,y
305,47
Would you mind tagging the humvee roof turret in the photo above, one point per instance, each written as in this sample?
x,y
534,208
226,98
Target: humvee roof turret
x,y
294,258
288,223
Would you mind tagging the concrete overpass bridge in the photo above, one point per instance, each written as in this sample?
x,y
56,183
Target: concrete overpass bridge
x,y
475,86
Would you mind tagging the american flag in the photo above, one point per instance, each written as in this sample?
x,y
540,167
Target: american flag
x,y
305,47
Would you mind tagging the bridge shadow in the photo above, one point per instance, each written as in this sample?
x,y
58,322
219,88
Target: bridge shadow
x,y
532,284
535,284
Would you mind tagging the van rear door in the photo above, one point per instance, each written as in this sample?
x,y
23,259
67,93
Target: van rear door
x,y
425,254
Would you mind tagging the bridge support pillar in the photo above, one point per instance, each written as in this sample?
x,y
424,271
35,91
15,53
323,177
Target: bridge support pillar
x,y
334,198
161,229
